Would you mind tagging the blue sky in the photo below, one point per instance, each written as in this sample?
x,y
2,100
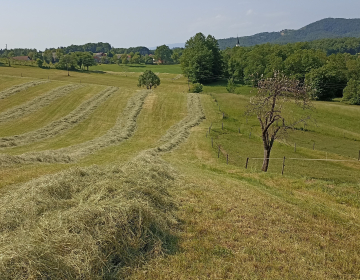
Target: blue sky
x,y
42,24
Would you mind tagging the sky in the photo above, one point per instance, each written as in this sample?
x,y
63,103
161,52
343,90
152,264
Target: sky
x,y
44,24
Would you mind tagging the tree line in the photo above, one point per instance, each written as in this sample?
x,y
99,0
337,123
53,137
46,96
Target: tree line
x,y
329,76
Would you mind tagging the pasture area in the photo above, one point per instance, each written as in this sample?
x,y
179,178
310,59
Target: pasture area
x,y
170,69
100,179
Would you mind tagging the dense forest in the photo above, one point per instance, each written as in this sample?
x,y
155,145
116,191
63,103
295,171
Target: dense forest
x,y
328,73
323,29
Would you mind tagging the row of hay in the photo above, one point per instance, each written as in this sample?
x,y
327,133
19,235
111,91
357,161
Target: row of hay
x,y
180,131
90,223
17,88
60,126
93,223
123,129
37,103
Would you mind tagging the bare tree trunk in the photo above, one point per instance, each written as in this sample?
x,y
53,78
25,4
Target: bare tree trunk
x,y
265,166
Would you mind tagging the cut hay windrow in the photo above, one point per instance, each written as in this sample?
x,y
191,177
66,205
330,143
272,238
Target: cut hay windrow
x,y
123,129
180,131
94,223
37,103
89,223
60,126
15,89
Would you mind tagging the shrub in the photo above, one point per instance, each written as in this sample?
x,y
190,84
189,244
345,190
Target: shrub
x,y
231,87
196,88
352,92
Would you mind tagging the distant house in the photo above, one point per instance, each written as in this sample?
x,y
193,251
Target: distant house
x,y
21,58
98,56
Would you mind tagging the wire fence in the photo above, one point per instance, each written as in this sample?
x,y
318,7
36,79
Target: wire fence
x,y
237,159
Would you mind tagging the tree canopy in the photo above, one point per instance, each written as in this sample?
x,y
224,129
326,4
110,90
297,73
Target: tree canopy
x,y
201,61
149,80
163,54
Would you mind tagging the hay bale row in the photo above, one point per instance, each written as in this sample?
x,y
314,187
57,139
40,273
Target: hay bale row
x,y
89,223
17,88
60,126
37,103
180,131
123,129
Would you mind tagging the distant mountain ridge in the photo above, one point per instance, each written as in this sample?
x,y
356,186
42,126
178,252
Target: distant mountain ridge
x,y
322,29
328,28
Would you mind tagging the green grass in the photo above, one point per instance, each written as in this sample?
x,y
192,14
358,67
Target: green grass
x,y
233,223
172,69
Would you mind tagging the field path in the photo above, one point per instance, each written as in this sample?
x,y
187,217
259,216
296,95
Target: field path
x,y
60,126
37,103
15,89
123,129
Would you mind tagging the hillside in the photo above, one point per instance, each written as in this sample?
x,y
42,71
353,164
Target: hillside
x,y
102,180
322,29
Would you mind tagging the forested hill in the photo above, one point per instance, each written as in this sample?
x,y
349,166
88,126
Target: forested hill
x,y
322,29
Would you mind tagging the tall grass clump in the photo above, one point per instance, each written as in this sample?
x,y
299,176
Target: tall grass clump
x,y
90,223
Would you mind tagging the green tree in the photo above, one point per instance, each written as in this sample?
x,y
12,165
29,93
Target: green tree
x,y
68,61
10,55
163,54
352,92
327,82
201,60
88,60
149,80
39,62
124,58
136,58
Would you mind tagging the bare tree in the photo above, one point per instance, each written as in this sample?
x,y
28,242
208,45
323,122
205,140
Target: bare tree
x,y
273,104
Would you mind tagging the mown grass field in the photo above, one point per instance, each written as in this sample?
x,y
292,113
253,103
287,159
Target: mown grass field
x,y
183,213
171,69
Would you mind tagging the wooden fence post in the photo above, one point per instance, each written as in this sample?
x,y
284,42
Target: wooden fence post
x,y
359,156
283,166
227,159
239,129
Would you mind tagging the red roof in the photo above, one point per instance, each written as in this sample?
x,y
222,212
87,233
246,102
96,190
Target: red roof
x,y
21,58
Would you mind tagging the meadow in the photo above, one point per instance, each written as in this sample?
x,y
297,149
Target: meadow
x,y
103,180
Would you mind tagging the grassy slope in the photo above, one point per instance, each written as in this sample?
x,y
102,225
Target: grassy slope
x,y
240,224
236,223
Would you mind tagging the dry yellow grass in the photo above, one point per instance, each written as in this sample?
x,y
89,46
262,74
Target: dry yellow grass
x,y
231,223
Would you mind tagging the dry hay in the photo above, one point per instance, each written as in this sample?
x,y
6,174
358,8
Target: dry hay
x,y
122,130
15,89
89,223
60,126
93,223
180,131
37,103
